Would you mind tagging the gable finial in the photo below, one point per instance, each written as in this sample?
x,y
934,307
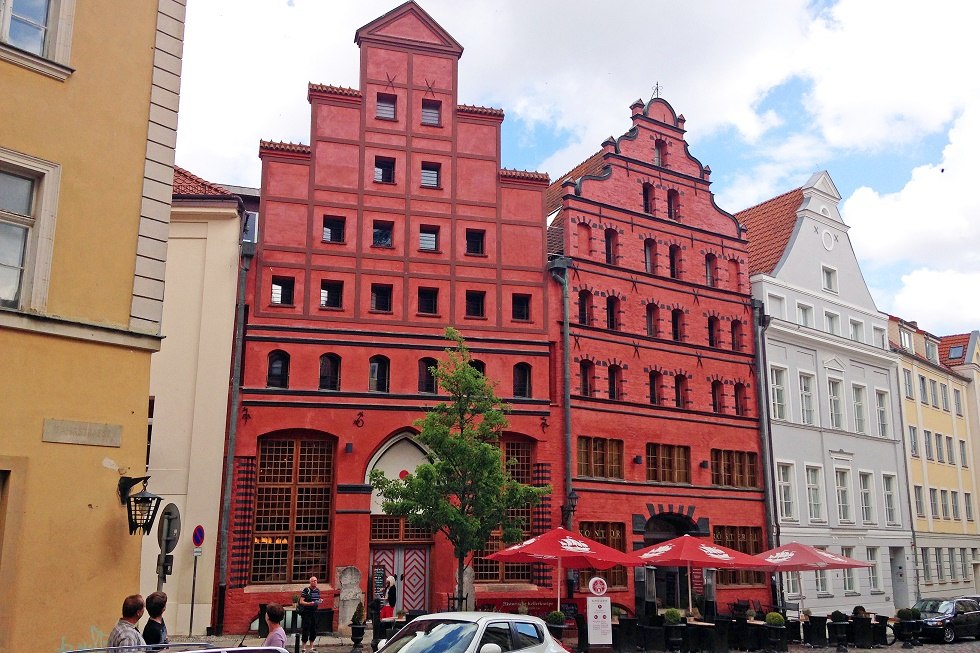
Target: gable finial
x,y
657,88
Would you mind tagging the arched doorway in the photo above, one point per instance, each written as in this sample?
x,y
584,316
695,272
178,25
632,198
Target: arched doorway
x,y
664,586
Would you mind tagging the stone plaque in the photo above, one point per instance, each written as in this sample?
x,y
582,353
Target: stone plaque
x,y
70,432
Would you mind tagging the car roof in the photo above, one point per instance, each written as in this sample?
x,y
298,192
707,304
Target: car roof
x,y
479,617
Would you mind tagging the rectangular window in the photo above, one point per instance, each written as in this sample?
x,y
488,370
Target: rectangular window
x,y
829,279
475,241
968,506
926,565
923,392
432,112
806,398
832,321
849,586
957,402
927,444
913,441
842,478
734,468
940,454
944,396
934,393
331,294
431,175
428,301
667,463
814,494
804,315
905,339
873,581
963,459
934,502
944,498
600,457
381,297
891,513
747,539
940,565
950,451
383,234
333,229
475,303
932,351
521,308
387,106
909,388
820,580
613,535
880,337
952,563
964,565
856,331
282,290
429,238
777,307
920,505
384,170
792,584
881,401
777,389
865,480
858,398
836,405
954,501
784,491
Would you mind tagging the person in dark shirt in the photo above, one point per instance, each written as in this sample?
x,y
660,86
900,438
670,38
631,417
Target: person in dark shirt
x,y
309,601
155,630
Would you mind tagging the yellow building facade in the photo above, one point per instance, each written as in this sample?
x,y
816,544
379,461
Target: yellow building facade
x,y
87,135
940,454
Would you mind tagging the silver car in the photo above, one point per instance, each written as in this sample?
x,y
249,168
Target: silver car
x,y
472,632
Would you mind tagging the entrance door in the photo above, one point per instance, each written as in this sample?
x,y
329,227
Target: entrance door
x,y
410,566
898,563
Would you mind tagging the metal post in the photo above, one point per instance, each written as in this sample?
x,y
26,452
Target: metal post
x,y
161,561
190,627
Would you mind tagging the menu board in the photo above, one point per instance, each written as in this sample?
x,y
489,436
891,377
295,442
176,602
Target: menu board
x,y
378,580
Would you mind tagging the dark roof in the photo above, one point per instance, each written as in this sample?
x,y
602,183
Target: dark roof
x,y
186,183
770,224
592,165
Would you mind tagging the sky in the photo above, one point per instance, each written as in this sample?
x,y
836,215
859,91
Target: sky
x,y
883,94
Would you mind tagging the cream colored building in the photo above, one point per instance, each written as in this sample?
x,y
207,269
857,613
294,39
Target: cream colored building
x,y
940,453
87,132
189,380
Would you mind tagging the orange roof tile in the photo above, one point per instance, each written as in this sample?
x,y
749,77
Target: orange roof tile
x,y
186,183
591,166
556,235
524,174
281,146
480,111
946,342
334,90
770,225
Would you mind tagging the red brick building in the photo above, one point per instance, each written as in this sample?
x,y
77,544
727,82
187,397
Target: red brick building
x,y
395,221
664,418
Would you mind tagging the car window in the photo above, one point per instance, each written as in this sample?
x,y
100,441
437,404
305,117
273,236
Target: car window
x,y
971,605
934,605
433,636
527,634
497,632
960,607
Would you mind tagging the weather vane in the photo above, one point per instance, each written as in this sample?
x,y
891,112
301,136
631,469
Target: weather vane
x,y
656,90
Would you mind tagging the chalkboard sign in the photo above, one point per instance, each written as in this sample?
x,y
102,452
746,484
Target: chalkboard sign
x,y
378,578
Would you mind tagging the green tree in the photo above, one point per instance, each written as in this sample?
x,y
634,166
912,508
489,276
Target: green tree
x,y
464,490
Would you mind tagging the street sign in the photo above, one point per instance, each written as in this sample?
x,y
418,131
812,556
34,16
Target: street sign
x,y
197,551
168,528
198,535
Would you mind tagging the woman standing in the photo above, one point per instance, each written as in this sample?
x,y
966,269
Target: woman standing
x,y
391,595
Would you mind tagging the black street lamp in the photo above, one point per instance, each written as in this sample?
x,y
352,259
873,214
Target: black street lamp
x,y
141,508
568,510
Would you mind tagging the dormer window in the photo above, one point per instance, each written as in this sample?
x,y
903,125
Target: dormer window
x,y
905,339
932,351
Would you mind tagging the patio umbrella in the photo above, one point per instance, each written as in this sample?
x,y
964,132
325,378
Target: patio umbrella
x,y
687,551
563,548
798,557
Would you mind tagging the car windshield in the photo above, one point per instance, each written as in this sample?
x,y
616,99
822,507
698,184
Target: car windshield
x,y
433,636
936,606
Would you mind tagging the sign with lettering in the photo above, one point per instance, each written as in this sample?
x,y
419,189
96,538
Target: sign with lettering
x,y
600,620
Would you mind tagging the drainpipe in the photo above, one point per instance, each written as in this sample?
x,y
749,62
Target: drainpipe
x,y
760,321
559,271
897,390
247,252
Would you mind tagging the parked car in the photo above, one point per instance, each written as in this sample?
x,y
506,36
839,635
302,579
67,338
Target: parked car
x,y
472,632
948,619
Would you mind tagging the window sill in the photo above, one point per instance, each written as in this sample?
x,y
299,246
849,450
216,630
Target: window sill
x,y
385,183
275,305
877,592
380,312
331,308
426,315
430,187
34,62
824,595
475,317
373,246
478,255
334,242
851,593
522,320
386,119
430,251
431,124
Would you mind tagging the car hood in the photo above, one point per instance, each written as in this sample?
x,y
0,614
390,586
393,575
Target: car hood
x,y
933,615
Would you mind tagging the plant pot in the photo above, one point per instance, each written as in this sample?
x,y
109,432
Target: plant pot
x,y
557,631
675,636
357,635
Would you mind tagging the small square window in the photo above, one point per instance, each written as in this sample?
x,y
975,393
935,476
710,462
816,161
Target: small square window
x,y
333,229
387,106
431,112
521,307
431,177
475,303
829,279
475,241
383,235
429,238
429,301
384,170
282,290
381,297
331,294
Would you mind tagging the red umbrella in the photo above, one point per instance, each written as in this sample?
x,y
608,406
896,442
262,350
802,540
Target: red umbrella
x,y
563,548
802,557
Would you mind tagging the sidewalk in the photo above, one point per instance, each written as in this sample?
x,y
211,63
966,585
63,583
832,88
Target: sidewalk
x,y
324,643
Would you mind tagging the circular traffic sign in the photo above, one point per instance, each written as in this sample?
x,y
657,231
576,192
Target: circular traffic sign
x,y
198,535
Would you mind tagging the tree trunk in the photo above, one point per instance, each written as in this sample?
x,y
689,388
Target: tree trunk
x,y
460,566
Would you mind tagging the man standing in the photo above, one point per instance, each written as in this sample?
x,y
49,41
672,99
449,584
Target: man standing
x,y
125,632
309,601
155,631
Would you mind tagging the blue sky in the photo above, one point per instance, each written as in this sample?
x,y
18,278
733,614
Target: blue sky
x,y
881,94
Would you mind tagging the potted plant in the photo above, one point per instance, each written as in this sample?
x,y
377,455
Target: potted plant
x,y
776,629
556,623
295,601
837,628
674,625
750,614
357,626
522,608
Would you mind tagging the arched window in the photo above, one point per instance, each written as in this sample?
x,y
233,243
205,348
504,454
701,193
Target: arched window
x,y
741,406
734,268
330,372
612,246
648,198
673,205
656,388
379,371
660,153
714,332
736,335
680,389
522,380
677,324
650,256
615,382
585,372
584,307
711,271
427,380
278,374
479,366
717,398
675,261
612,313
584,237
653,316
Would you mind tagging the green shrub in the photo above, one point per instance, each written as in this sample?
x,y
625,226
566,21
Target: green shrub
x,y
775,619
672,616
750,614
555,617
357,618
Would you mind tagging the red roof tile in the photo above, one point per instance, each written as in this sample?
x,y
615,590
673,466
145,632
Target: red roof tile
x,y
186,183
480,111
334,90
556,235
960,339
280,146
770,225
591,166
530,175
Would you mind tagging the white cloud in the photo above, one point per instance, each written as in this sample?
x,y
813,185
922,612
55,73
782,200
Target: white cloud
x,y
939,300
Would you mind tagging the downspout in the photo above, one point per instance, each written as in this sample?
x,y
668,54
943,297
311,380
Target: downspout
x,y
559,271
908,482
247,252
760,321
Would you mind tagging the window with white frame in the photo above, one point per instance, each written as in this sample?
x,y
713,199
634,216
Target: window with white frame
x,y
927,444
842,479
909,387
858,397
934,502
964,565
829,276
926,565
963,461
835,403
968,506
944,499
950,451
940,565
866,482
777,392
856,330
38,28
932,351
954,501
944,396
940,454
888,483
814,494
849,586
832,322
806,398
913,441
920,504
923,391
822,584
784,490
881,401
791,582
957,402
905,339
776,306
804,315
952,563
934,393
874,583
880,337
